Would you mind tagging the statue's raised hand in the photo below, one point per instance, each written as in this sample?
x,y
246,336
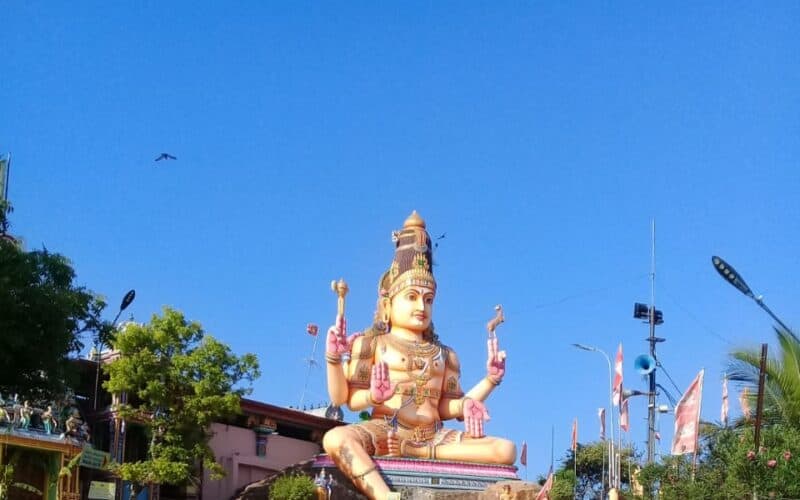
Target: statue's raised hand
x,y
381,389
337,343
475,414
496,364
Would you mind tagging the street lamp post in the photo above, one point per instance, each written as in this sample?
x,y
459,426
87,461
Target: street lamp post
x,y
611,457
730,275
126,301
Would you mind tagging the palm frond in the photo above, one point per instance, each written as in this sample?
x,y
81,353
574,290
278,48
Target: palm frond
x,y
782,381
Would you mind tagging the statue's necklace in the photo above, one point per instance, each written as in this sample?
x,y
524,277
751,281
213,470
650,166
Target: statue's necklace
x,y
420,357
419,354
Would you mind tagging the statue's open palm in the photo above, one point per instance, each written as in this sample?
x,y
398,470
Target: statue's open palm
x,y
475,414
381,389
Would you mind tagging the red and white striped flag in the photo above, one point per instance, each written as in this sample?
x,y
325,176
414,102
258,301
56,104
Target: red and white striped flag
x,y
687,418
624,417
617,391
744,402
523,456
723,416
601,414
575,435
544,493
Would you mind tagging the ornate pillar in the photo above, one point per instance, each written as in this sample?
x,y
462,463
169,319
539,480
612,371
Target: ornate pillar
x,y
262,430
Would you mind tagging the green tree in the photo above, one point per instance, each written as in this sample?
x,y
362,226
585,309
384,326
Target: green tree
x,y
43,316
729,467
782,389
183,380
592,471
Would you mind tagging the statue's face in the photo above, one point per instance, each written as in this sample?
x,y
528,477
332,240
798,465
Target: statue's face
x,y
412,308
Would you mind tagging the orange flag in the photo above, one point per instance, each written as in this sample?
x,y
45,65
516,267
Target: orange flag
x,y
624,416
616,394
544,493
723,413
574,435
744,402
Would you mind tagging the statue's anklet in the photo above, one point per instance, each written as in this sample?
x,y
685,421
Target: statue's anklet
x,y
364,474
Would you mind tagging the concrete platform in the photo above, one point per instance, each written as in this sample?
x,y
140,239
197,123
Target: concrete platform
x,y
433,474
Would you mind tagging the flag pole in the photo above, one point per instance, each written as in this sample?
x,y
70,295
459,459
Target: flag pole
x,y
311,361
603,474
697,424
575,467
575,456
618,472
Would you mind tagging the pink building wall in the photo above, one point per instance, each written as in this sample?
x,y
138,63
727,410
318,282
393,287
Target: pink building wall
x,y
235,449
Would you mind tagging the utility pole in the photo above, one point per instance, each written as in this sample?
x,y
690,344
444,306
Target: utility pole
x,y
654,317
651,397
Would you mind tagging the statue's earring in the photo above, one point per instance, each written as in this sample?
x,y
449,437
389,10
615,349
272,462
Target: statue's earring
x,y
386,315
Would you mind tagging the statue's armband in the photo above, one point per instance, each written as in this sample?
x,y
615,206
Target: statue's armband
x,y
452,375
361,362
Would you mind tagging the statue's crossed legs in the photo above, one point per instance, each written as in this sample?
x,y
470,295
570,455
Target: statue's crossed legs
x,y
352,447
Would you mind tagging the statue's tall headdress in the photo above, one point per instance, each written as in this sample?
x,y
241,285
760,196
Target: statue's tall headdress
x,y
413,258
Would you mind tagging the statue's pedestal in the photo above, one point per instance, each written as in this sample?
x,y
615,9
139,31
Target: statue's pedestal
x,y
401,473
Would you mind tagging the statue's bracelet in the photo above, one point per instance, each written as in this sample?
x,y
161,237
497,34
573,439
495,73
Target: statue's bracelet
x,y
493,380
333,359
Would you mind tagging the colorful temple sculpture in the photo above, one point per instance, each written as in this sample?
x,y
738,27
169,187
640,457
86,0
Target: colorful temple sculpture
x,y
40,445
411,382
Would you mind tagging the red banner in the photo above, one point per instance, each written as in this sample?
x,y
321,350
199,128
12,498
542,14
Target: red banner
x,y
687,418
617,392
601,414
624,417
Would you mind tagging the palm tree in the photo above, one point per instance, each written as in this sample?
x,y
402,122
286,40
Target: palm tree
x,y
782,384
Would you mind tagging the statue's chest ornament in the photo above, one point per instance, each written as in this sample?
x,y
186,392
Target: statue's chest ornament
x,y
421,358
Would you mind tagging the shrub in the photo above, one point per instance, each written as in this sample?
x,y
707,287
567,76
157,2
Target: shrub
x,y
293,487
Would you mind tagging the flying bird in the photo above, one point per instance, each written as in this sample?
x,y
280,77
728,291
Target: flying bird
x,y
436,241
166,156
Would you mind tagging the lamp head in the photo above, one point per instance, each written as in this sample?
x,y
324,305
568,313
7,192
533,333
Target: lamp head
x,y
585,347
127,299
730,275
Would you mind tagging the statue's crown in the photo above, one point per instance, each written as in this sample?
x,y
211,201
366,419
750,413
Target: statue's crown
x,y
413,258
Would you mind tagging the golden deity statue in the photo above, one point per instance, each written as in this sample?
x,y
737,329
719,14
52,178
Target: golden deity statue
x,y
400,369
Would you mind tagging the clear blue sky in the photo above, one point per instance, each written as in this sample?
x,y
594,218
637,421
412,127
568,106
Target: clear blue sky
x,y
540,137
